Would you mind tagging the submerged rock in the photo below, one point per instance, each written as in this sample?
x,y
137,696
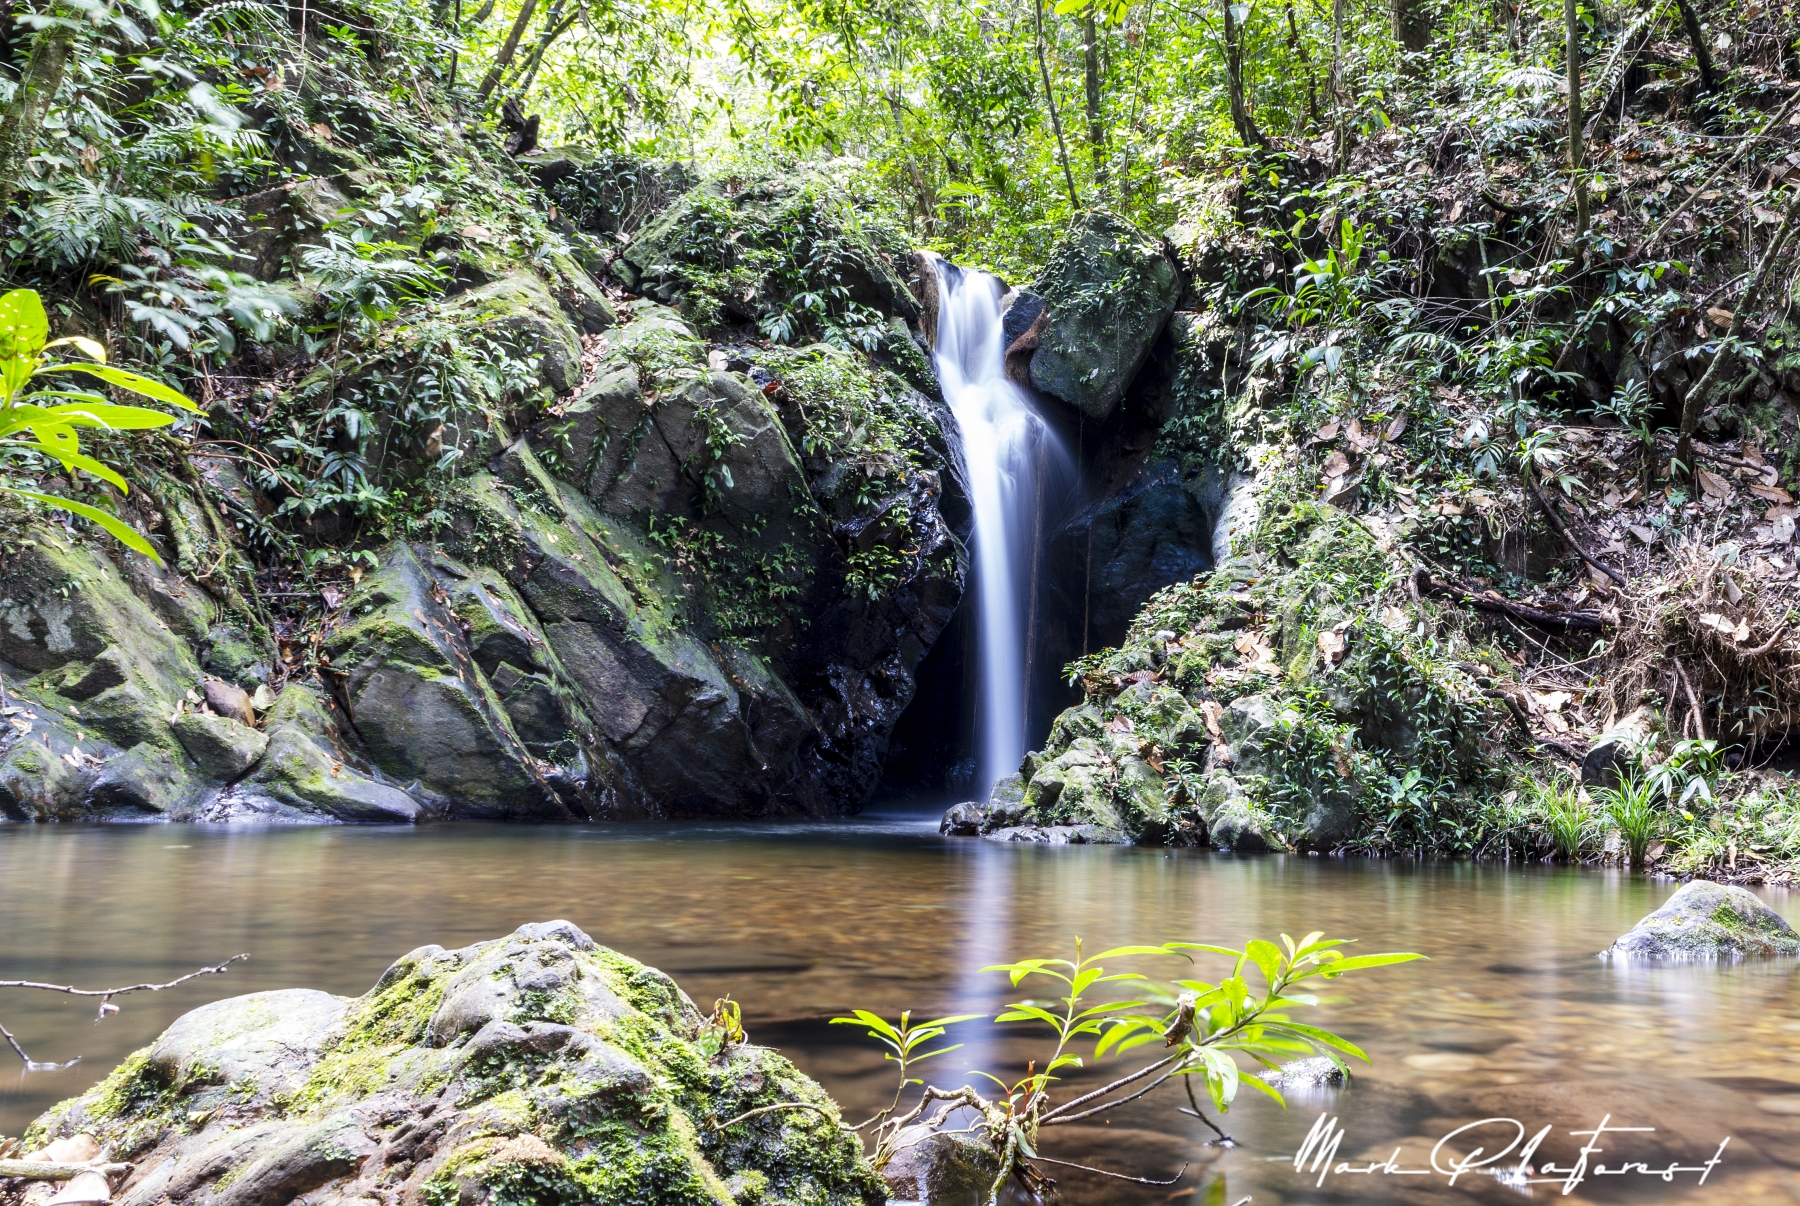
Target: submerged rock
x,y
1060,835
1709,921
963,820
539,1059
1315,1073
939,1168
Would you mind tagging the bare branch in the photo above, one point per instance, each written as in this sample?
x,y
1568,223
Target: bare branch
x,y
1107,1105
786,1105
47,1170
1119,1176
1117,1084
117,992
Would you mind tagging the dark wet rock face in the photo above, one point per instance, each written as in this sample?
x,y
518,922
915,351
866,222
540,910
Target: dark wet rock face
x,y
938,1168
540,1058
1108,291
1704,921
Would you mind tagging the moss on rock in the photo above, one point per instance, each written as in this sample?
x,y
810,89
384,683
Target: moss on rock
x,y
534,1069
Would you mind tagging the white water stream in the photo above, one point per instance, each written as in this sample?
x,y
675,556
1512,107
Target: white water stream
x,y
1013,456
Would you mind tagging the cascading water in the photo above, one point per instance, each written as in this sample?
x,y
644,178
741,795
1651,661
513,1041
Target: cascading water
x,y
1013,458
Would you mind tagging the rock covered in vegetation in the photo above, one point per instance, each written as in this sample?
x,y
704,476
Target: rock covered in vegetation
x,y
931,1167
1285,699
1709,921
679,583
537,1064
1106,293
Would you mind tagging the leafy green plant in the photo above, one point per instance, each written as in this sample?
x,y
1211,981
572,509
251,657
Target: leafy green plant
x,y
1564,815
1207,1023
1631,808
54,429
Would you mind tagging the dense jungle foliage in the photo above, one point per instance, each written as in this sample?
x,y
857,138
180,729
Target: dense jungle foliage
x,y
1491,277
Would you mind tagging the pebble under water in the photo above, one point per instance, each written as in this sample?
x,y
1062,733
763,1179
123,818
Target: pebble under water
x,y
1512,1018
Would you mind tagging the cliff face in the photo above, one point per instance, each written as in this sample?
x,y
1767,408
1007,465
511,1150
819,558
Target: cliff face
x,y
528,543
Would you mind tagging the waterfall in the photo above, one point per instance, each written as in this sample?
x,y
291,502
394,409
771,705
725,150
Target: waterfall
x,y
1014,460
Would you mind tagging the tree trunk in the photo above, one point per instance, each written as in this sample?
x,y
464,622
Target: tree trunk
x,y
1690,20
508,48
1572,27
1413,24
1091,66
1234,82
1698,396
1062,147
1340,121
38,86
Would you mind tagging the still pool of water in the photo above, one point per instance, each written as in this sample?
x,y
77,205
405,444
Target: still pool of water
x,y
1513,1017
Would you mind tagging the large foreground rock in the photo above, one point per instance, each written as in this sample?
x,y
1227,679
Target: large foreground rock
x,y
539,1067
1709,921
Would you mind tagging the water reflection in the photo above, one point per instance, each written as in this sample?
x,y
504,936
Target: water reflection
x,y
1513,1017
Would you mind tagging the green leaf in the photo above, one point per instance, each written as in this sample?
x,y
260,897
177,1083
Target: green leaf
x,y
1029,1013
1257,1082
1326,1037
82,344
23,324
119,531
1204,946
1266,955
1131,950
127,381
111,416
87,464
1355,962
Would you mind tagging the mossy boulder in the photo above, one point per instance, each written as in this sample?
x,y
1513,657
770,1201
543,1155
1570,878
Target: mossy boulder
x,y
538,1067
1108,291
310,771
1709,921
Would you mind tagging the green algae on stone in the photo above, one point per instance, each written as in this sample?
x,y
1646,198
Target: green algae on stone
x,y
449,1083
1704,921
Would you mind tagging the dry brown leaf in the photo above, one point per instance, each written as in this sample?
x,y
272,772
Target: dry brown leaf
x,y
1337,464
1555,722
1332,643
1396,428
1720,316
1712,485
1782,511
1393,617
1782,530
1326,433
1552,701
1774,494
1767,217
473,231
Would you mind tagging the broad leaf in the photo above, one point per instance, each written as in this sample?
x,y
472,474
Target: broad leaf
x,y
120,531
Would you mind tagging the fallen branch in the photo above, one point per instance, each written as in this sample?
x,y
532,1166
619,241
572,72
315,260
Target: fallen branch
x,y
48,1170
1118,1176
119,992
1580,621
1562,530
106,995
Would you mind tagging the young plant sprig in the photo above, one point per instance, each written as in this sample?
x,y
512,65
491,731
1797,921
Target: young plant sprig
x,y
1206,1024
54,429
903,1040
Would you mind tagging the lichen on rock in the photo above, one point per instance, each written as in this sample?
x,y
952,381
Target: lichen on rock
x,y
536,1068
1707,921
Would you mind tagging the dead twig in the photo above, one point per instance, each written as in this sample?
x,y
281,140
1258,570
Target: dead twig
x,y
1488,600
119,992
1117,1176
1562,530
51,1170
786,1105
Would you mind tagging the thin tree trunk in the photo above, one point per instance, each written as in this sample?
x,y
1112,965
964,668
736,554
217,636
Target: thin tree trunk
x,y
508,48
1576,166
38,86
1062,147
553,29
1412,24
1694,405
1338,97
1234,82
1690,20
1091,67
